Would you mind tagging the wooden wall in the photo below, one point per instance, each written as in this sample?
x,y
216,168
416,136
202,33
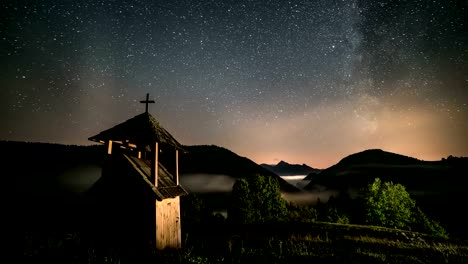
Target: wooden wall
x,y
168,233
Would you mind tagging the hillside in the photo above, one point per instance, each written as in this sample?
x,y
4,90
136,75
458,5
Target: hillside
x,y
437,186
43,182
285,169
366,158
38,167
217,160
361,168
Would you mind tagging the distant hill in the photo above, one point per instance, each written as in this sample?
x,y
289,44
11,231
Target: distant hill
x,y
439,187
41,181
211,159
361,168
283,168
371,157
37,166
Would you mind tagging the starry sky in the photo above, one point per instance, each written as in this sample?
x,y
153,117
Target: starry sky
x,y
301,81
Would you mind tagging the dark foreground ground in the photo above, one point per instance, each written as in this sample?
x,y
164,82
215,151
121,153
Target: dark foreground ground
x,y
218,242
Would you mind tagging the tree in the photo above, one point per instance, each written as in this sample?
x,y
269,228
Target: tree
x,y
194,210
332,211
301,213
256,200
388,204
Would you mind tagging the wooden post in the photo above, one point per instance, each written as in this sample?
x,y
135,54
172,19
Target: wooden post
x,y
177,167
179,224
139,154
154,166
109,147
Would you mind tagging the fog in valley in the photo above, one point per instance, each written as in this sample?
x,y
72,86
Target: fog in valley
x,y
203,183
296,180
80,178
305,197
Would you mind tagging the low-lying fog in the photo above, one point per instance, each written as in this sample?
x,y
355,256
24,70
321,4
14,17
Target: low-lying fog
x,y
306,197
296,180
201,183
81,178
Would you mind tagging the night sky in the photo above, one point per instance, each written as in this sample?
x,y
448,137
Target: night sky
x,y
301,81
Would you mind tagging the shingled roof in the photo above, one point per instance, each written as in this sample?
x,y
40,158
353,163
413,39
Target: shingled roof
x,y
166,187
141,130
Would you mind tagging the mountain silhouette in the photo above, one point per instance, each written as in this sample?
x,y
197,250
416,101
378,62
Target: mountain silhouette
x,y
211,159
370,157
361,168
283,168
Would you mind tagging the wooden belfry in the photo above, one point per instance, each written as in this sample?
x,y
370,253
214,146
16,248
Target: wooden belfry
x,y
133,147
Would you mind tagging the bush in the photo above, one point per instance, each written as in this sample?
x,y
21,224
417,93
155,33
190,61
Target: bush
x,y
388,204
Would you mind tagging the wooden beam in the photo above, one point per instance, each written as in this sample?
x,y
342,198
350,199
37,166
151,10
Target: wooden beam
x,y
132,145
109,147
177,167
154,166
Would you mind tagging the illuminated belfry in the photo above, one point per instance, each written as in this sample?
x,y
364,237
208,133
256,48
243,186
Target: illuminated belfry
x,y
143,192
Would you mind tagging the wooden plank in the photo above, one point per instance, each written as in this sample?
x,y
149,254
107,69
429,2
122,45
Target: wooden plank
x,y
166,188
168,233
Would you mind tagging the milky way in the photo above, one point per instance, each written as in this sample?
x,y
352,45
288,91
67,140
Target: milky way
x,y
303,81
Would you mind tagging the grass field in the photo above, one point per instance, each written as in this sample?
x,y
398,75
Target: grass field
x,y
278,243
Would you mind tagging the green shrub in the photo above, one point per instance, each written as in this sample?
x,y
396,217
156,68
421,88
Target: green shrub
x,y
388,204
